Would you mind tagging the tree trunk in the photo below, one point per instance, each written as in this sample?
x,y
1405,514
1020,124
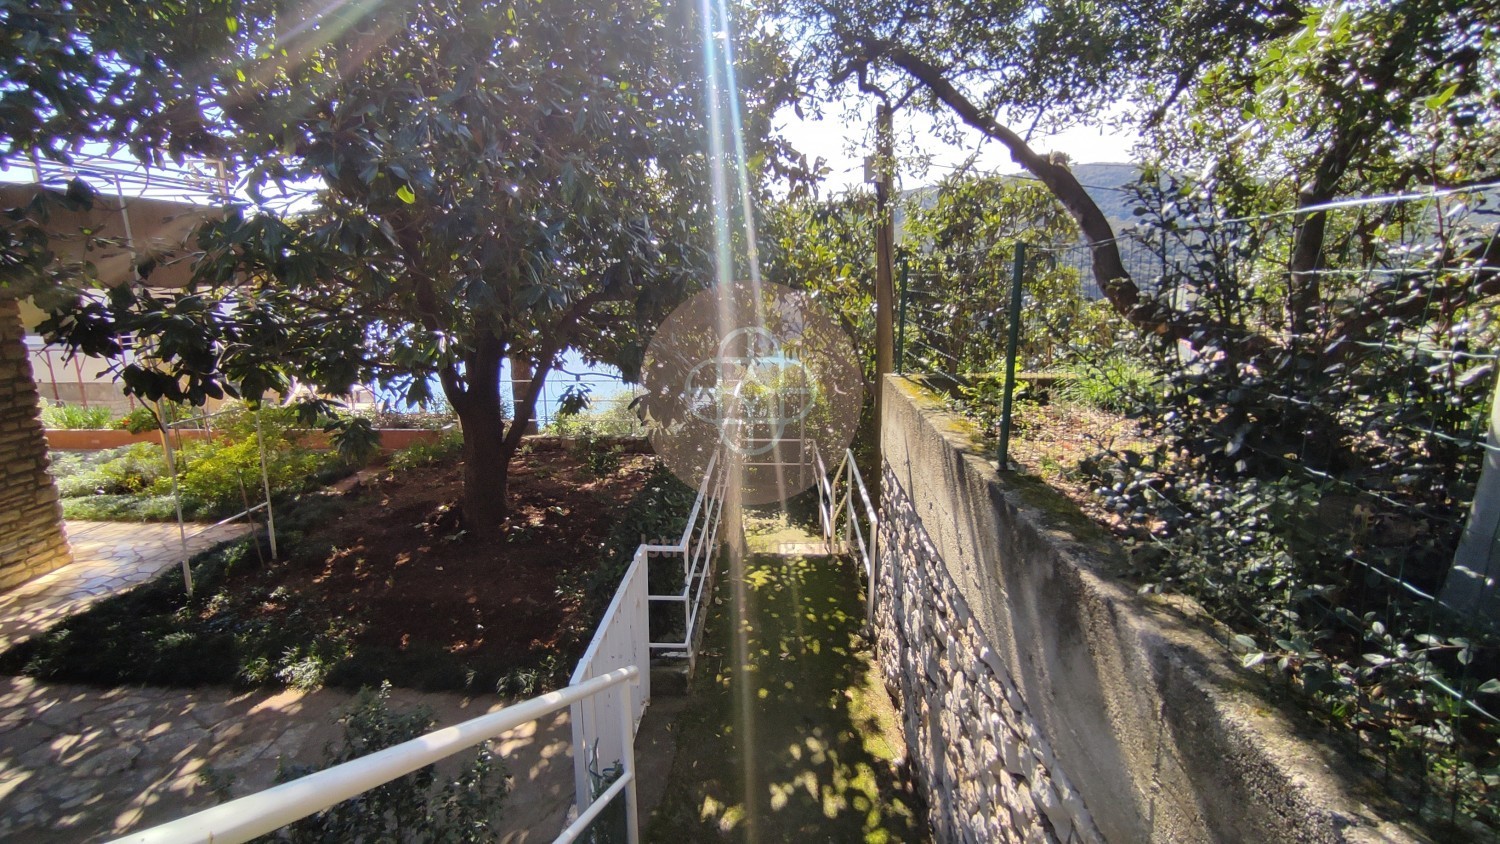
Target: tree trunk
x,y
487,447
486,472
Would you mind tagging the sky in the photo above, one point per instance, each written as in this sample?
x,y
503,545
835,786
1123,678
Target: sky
x,y
833,136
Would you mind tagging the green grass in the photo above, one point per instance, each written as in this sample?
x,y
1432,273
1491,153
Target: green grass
x,y
787,735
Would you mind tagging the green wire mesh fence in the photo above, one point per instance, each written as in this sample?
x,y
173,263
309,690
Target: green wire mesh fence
x,y
1306,445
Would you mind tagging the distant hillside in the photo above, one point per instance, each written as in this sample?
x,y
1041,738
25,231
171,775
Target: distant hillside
x,y
1102,182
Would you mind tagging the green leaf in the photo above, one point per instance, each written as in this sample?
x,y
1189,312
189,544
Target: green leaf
x,y
1489,687
232,25
1440,99
406,195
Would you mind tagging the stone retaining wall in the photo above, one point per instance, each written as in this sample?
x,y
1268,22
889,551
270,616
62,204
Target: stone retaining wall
x,y
32,542
990,773
1044,701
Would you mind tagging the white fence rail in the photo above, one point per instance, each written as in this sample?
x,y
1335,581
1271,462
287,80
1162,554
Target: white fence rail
x,y
606,698
697,549
257,814
604,724
844,506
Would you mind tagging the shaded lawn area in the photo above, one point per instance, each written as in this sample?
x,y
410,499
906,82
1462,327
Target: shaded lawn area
x,y
795,743
379,582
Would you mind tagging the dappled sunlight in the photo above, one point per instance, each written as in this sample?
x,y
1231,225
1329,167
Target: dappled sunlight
x,y
804,758
83,763
108,558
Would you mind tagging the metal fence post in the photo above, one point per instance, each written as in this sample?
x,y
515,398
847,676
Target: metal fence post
x,y
901,318
166,447
265,480
1018,269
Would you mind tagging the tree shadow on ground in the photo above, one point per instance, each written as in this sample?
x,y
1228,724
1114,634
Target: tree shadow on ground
x,y
784,739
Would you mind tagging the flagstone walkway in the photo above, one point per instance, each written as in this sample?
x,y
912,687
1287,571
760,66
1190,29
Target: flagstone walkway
x,y
83,764
108,557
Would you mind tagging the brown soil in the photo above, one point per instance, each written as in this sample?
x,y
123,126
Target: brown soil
x,y
1053,439
397,561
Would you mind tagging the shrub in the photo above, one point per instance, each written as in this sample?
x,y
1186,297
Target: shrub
x,y
598,457
144,418
610,417
75,417
121,508
220,478
1116,384
435,418
447,447
215,478
414,808
129,470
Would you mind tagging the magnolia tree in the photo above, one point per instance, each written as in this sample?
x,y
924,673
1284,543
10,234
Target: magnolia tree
x,y
433,187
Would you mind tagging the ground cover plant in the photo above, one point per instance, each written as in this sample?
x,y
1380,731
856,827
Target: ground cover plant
x,y
76,417
421,807
216,477
379,581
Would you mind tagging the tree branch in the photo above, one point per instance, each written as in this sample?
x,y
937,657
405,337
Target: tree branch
x,y
1108,268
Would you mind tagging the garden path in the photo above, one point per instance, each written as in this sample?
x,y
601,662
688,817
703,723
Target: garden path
x,y
84,764
788,734
108,557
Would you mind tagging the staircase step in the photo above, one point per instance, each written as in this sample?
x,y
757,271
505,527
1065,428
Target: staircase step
x,y
669,678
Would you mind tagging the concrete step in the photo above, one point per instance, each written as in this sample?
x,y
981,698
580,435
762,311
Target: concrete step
x,y
670,678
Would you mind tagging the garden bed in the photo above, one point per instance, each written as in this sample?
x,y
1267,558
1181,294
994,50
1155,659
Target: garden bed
x,y
379,582
391,439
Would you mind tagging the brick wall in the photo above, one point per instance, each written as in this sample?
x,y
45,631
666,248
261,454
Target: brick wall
x,y
32,541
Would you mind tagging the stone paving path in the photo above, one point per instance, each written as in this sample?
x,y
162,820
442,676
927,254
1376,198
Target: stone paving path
x,y
82,764
108,557
85,764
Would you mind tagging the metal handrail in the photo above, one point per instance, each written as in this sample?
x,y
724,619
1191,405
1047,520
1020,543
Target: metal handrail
x,y
858,538
266,811
697,544
182,181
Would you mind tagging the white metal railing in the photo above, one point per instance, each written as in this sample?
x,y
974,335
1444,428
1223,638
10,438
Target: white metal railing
x,y
266,811
857,518
606,698
202,181
620,641
697,549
